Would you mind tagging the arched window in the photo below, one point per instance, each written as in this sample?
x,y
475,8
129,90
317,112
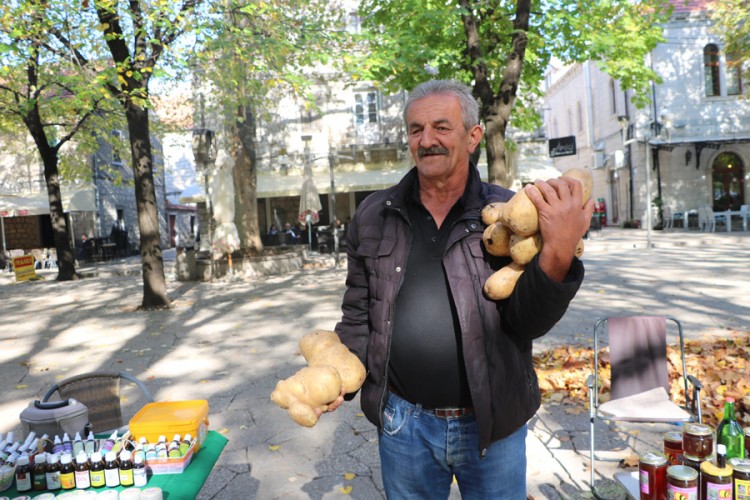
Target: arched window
x,y
727,181
711,70
734,74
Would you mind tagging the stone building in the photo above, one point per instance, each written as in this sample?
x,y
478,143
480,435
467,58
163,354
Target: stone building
x,y
697,128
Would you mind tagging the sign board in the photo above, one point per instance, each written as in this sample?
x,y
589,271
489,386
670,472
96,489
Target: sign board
x,y
562,146
23,267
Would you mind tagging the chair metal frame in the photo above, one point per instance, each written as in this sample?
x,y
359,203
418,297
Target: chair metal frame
x,y
692,403
100,392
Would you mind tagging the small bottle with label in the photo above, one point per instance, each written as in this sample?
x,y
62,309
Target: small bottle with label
x,y
126,469
161,447
23,474
83,477
173,450
109,443
67,445
39,473
57,447
67,472
111,472
77,445
96,471
185,444
89,446
140,476
53,472
150,450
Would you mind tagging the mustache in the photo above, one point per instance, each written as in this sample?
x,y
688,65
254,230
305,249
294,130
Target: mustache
x,y
435,150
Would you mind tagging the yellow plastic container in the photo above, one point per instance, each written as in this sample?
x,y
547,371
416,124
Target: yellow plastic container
x,y
168,418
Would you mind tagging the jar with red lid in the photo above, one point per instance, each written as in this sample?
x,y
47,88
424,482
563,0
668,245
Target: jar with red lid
x,y
698,440
682,483
673,447
652,473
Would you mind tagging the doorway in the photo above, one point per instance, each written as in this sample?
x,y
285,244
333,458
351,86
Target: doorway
x,y
727,182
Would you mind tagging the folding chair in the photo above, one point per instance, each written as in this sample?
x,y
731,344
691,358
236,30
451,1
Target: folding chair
x,y
640,387
101,393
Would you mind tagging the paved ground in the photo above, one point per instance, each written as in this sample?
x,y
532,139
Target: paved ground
x,y
229,341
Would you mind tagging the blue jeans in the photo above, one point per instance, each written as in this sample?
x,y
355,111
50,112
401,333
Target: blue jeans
x,y
420,454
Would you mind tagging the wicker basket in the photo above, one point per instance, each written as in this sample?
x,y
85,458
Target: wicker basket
x,y
6,478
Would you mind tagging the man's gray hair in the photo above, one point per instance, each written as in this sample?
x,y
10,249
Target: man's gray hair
x,y
469,105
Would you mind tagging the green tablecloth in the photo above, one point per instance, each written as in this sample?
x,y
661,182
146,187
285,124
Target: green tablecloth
x,y
173,486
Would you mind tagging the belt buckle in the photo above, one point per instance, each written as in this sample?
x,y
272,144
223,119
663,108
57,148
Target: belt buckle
x,y
451,412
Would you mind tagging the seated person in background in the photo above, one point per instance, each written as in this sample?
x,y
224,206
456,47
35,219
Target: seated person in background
x,y
274,229
293,236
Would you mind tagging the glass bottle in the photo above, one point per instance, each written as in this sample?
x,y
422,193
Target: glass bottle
x,y
89,445
39,473
97,470
67,472
77,444
173,451
83,477
729,433
23,474
53,472
126,468
111,472
185,445
140,475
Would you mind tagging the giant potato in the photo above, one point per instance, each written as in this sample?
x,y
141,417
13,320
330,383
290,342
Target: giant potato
x,y
491,212
323,348
524,248
582,175
520,215
496,239
502,282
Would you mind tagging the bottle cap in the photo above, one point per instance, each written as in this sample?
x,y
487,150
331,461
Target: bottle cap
x,y
82,458
176,437
188,437
110,456
125,455
721,449
138,459
143,440
96,456
57,440
162,438
53,458
78,436
91,436
41,458
66,437
66,459
729,399
23,460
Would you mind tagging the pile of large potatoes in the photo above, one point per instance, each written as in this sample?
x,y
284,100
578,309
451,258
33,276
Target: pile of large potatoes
x,y
513,231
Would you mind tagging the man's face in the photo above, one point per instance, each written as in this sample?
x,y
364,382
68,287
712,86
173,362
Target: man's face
x,y
438,140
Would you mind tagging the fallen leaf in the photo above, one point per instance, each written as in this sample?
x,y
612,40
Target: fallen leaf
x,y
274,447
349,476
21,386
224,430
345,489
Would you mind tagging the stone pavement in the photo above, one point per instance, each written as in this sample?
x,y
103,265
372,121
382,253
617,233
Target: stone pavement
x,y
229,341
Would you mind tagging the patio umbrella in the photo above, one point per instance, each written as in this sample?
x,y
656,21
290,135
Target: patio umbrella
x,y
225,238
309,202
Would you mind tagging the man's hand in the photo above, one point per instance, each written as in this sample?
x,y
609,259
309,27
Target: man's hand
x,y
562,222
333,406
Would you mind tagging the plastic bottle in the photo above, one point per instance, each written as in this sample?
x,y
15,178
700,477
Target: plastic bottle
x,y
150,450
23,474
89,446
729,433
161,447
27,442
67,445
39,473
109,443
67,472
173,450
57,447
77,445
83,477
126,469
53,472
185,445
44,443
111,472
140,476
97,470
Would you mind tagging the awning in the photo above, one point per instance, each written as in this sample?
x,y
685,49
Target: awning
x,y
24,204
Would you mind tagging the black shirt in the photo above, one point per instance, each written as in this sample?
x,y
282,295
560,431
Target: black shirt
x,y
426,361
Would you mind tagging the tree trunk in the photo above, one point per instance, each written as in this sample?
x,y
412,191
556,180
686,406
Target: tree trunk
x,y
495,110
246,179
152,259
66,269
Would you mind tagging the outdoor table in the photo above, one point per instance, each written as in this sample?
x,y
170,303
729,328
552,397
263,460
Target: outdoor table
x,y
173,486
629,481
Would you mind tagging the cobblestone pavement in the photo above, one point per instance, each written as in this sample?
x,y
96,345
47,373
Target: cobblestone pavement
x,y
230,340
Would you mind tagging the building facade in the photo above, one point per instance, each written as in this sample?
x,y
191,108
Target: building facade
x,y
697,127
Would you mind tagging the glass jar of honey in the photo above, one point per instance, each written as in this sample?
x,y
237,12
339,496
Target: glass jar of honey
x,y
652,472
741,477
673,447
716,482
698,440
682,483
693,462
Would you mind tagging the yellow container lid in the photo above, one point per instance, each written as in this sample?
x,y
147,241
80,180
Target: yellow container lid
x,y
171,417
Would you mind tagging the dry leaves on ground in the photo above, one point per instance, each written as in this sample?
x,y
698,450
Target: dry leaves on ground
x,y
720,364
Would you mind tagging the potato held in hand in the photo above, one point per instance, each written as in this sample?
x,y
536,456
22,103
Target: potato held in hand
x,y
501,284
331,367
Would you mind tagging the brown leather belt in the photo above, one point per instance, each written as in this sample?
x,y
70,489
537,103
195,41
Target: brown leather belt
x,y
440,412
